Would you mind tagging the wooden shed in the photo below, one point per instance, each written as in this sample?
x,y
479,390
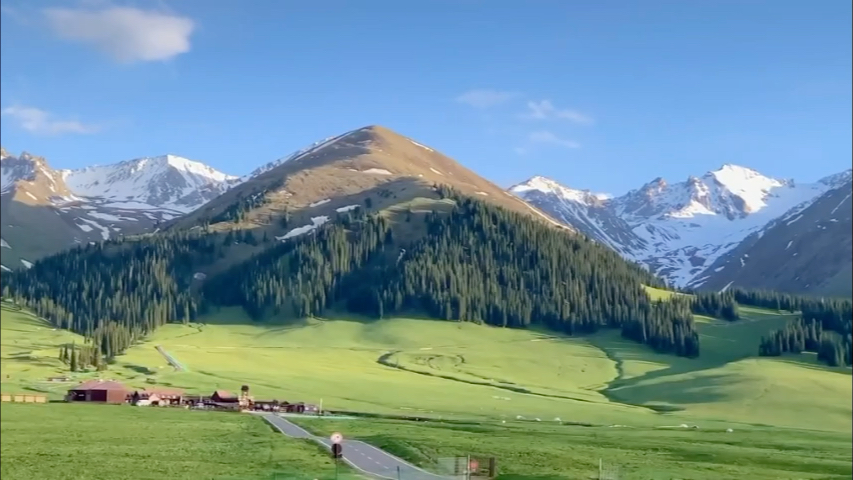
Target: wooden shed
x,y
106,391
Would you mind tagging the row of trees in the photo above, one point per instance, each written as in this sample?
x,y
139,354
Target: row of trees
x,y
80,357
719,305
823,327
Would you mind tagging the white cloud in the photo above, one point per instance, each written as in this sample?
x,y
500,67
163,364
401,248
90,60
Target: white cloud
x,y
40,122
126,34
545,110
552,139
485,98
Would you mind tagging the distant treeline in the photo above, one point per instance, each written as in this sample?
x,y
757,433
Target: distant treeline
x,y
824,326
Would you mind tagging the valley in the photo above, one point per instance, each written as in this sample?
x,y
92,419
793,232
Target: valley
x,y
475,380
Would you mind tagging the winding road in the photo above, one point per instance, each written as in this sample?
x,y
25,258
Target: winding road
x,y
359,455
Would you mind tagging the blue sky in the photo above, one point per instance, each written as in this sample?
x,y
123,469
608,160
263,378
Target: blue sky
x,y
604,95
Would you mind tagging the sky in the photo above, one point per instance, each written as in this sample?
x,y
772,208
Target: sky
x,y
602,95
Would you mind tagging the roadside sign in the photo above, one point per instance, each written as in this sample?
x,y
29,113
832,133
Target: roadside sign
x,y
337,450
336,437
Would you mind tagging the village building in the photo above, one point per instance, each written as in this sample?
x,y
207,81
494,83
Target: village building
x,y
106,391
157,397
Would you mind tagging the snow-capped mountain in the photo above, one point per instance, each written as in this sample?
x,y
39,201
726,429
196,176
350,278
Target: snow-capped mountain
x,y
46,210
678,230
167,182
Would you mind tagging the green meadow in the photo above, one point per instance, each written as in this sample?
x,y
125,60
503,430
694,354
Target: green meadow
x,y
504,387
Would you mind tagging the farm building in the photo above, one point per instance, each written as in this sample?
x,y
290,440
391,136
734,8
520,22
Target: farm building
x,y
223,396
106,391
157,396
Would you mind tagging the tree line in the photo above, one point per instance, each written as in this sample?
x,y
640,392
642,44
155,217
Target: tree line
x,y
479,263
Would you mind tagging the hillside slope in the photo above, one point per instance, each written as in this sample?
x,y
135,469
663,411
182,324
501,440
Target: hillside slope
x,y
372,167
682,231
808,250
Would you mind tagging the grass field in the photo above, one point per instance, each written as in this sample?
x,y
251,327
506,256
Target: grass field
x,y
486,375
117,442
540,451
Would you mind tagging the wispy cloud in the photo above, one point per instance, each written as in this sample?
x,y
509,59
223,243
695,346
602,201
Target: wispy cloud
x,y
484,98
551,139
39,122
126,34
545,110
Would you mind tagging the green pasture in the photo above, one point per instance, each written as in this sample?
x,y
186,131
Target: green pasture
x,y
546,451
118,442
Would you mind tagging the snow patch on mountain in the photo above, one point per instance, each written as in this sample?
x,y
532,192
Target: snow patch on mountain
x,y
678,230
167,181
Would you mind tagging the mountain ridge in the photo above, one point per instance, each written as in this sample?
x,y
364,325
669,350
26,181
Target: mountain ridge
x,y
679,230
47,210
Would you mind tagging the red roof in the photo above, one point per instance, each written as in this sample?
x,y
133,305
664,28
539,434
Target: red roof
x,y
223,394
163,391
101,385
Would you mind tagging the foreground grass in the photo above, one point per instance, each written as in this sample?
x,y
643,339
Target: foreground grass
x,y
538,451
73,441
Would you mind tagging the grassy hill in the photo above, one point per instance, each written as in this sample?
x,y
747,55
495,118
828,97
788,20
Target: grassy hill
x,y
463,370
497,382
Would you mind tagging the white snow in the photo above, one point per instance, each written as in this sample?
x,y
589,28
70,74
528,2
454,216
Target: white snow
x,y
84,227
31,195
435,171
377,171
840,204
105,216
795,219
422,146
26,263
664,226
5,268
722,290
316,222
719,269
167,181
791,242
105,231
483,193
318,203
347,208
4,244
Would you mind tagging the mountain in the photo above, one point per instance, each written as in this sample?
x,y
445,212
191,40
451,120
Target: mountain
x,y
45,210
369,222
372,167
808,249
682,231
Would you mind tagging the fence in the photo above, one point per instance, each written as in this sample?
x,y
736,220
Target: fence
x,y
23,398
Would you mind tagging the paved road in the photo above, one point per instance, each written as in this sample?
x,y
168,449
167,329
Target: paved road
x,y
359,455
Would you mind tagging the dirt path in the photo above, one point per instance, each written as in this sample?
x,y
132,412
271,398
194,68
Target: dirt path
x,y
172,361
